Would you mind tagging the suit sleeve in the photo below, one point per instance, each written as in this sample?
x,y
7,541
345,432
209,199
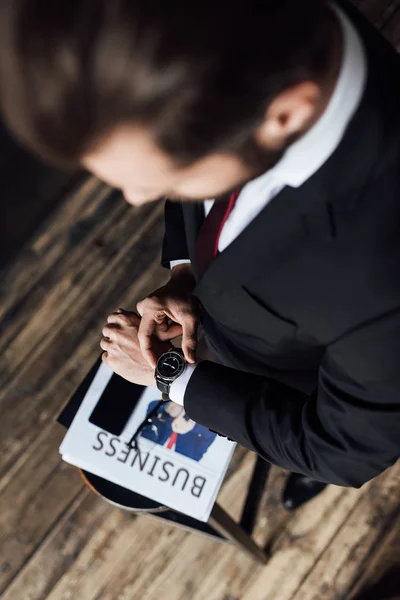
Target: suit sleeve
x,y
346,434
174,245
203,440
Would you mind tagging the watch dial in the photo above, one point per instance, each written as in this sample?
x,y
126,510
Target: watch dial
x,y
170,365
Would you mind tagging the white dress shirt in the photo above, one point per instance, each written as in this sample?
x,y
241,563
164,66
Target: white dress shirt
x,y
301,160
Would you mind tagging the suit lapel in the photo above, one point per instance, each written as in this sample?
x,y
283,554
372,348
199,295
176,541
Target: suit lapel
x,y
260,244
316,210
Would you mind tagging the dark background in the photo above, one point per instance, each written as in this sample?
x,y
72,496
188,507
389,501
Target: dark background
x,y
30,190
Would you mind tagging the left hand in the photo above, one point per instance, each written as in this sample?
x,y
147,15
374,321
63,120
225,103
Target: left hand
x,y
122,349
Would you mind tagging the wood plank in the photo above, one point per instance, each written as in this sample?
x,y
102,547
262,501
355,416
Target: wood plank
x,y
341,563
64,298
174,565
61,547
272,517
32,503
77,312
115,547
305,538
120,545
29,425
380,573
194,574
83,265
379,577
48,245
192,571
20,426
43,490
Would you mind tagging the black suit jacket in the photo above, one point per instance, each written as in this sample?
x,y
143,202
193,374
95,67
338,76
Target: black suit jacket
x,y
303,308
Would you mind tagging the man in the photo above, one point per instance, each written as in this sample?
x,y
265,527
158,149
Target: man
x,y
172,428
286,114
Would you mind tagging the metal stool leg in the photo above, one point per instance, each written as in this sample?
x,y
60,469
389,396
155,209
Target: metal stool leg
x,y
254,495
222,522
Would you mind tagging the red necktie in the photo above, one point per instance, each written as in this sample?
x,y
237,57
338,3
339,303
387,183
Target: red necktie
x,y
211,229
172,440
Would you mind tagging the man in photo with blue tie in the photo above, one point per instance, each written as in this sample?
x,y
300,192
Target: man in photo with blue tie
x,y
273,128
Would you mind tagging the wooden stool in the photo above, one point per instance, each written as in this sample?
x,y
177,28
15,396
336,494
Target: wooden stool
x,y
220,525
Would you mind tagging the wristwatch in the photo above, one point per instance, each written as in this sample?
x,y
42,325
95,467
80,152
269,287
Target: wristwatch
x,y
169,367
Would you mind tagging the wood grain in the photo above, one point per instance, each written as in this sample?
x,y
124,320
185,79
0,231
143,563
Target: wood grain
x,y
32,503
60,548
344,560
61,318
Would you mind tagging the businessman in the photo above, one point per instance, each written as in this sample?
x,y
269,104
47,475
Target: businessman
x,y
273,128
173,429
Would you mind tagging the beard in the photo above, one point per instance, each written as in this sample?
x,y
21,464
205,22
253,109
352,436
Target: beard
x,y
257,161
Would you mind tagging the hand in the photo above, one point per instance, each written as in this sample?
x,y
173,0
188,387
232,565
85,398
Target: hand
x,y
168,312
122,351
181,425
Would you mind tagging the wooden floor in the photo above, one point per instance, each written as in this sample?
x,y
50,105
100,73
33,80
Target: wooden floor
x,y
59,541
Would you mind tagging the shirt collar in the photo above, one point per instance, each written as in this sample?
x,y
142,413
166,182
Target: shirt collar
x,y
310,152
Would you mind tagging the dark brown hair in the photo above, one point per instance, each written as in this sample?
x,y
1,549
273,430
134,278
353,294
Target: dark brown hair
x,y
199,74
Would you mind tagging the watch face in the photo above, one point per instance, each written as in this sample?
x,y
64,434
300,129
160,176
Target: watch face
x,y
170,365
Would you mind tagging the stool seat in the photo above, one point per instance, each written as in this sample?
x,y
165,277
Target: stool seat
x,y
121,496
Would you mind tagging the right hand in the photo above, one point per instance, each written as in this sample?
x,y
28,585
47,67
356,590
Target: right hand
x,y
168,312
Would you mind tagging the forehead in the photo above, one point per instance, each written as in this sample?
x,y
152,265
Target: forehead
x,y
128,152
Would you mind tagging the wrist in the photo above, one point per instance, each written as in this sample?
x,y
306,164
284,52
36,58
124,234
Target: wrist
x,y
182,278
182,271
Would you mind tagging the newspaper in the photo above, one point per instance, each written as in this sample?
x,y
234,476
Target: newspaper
x,y
178,462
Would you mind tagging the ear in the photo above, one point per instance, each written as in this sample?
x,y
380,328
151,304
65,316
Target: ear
x,y
291,112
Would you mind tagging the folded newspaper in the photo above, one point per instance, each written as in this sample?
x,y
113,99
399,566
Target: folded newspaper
x,y
177,462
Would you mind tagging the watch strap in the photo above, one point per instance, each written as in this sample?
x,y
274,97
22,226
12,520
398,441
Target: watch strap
x,y
163,386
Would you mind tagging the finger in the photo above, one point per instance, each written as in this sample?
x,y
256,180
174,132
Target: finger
x,y
117,319
163,326
105,344
124,319
172,332
189,338
140,307
151,306
110,329
146,329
